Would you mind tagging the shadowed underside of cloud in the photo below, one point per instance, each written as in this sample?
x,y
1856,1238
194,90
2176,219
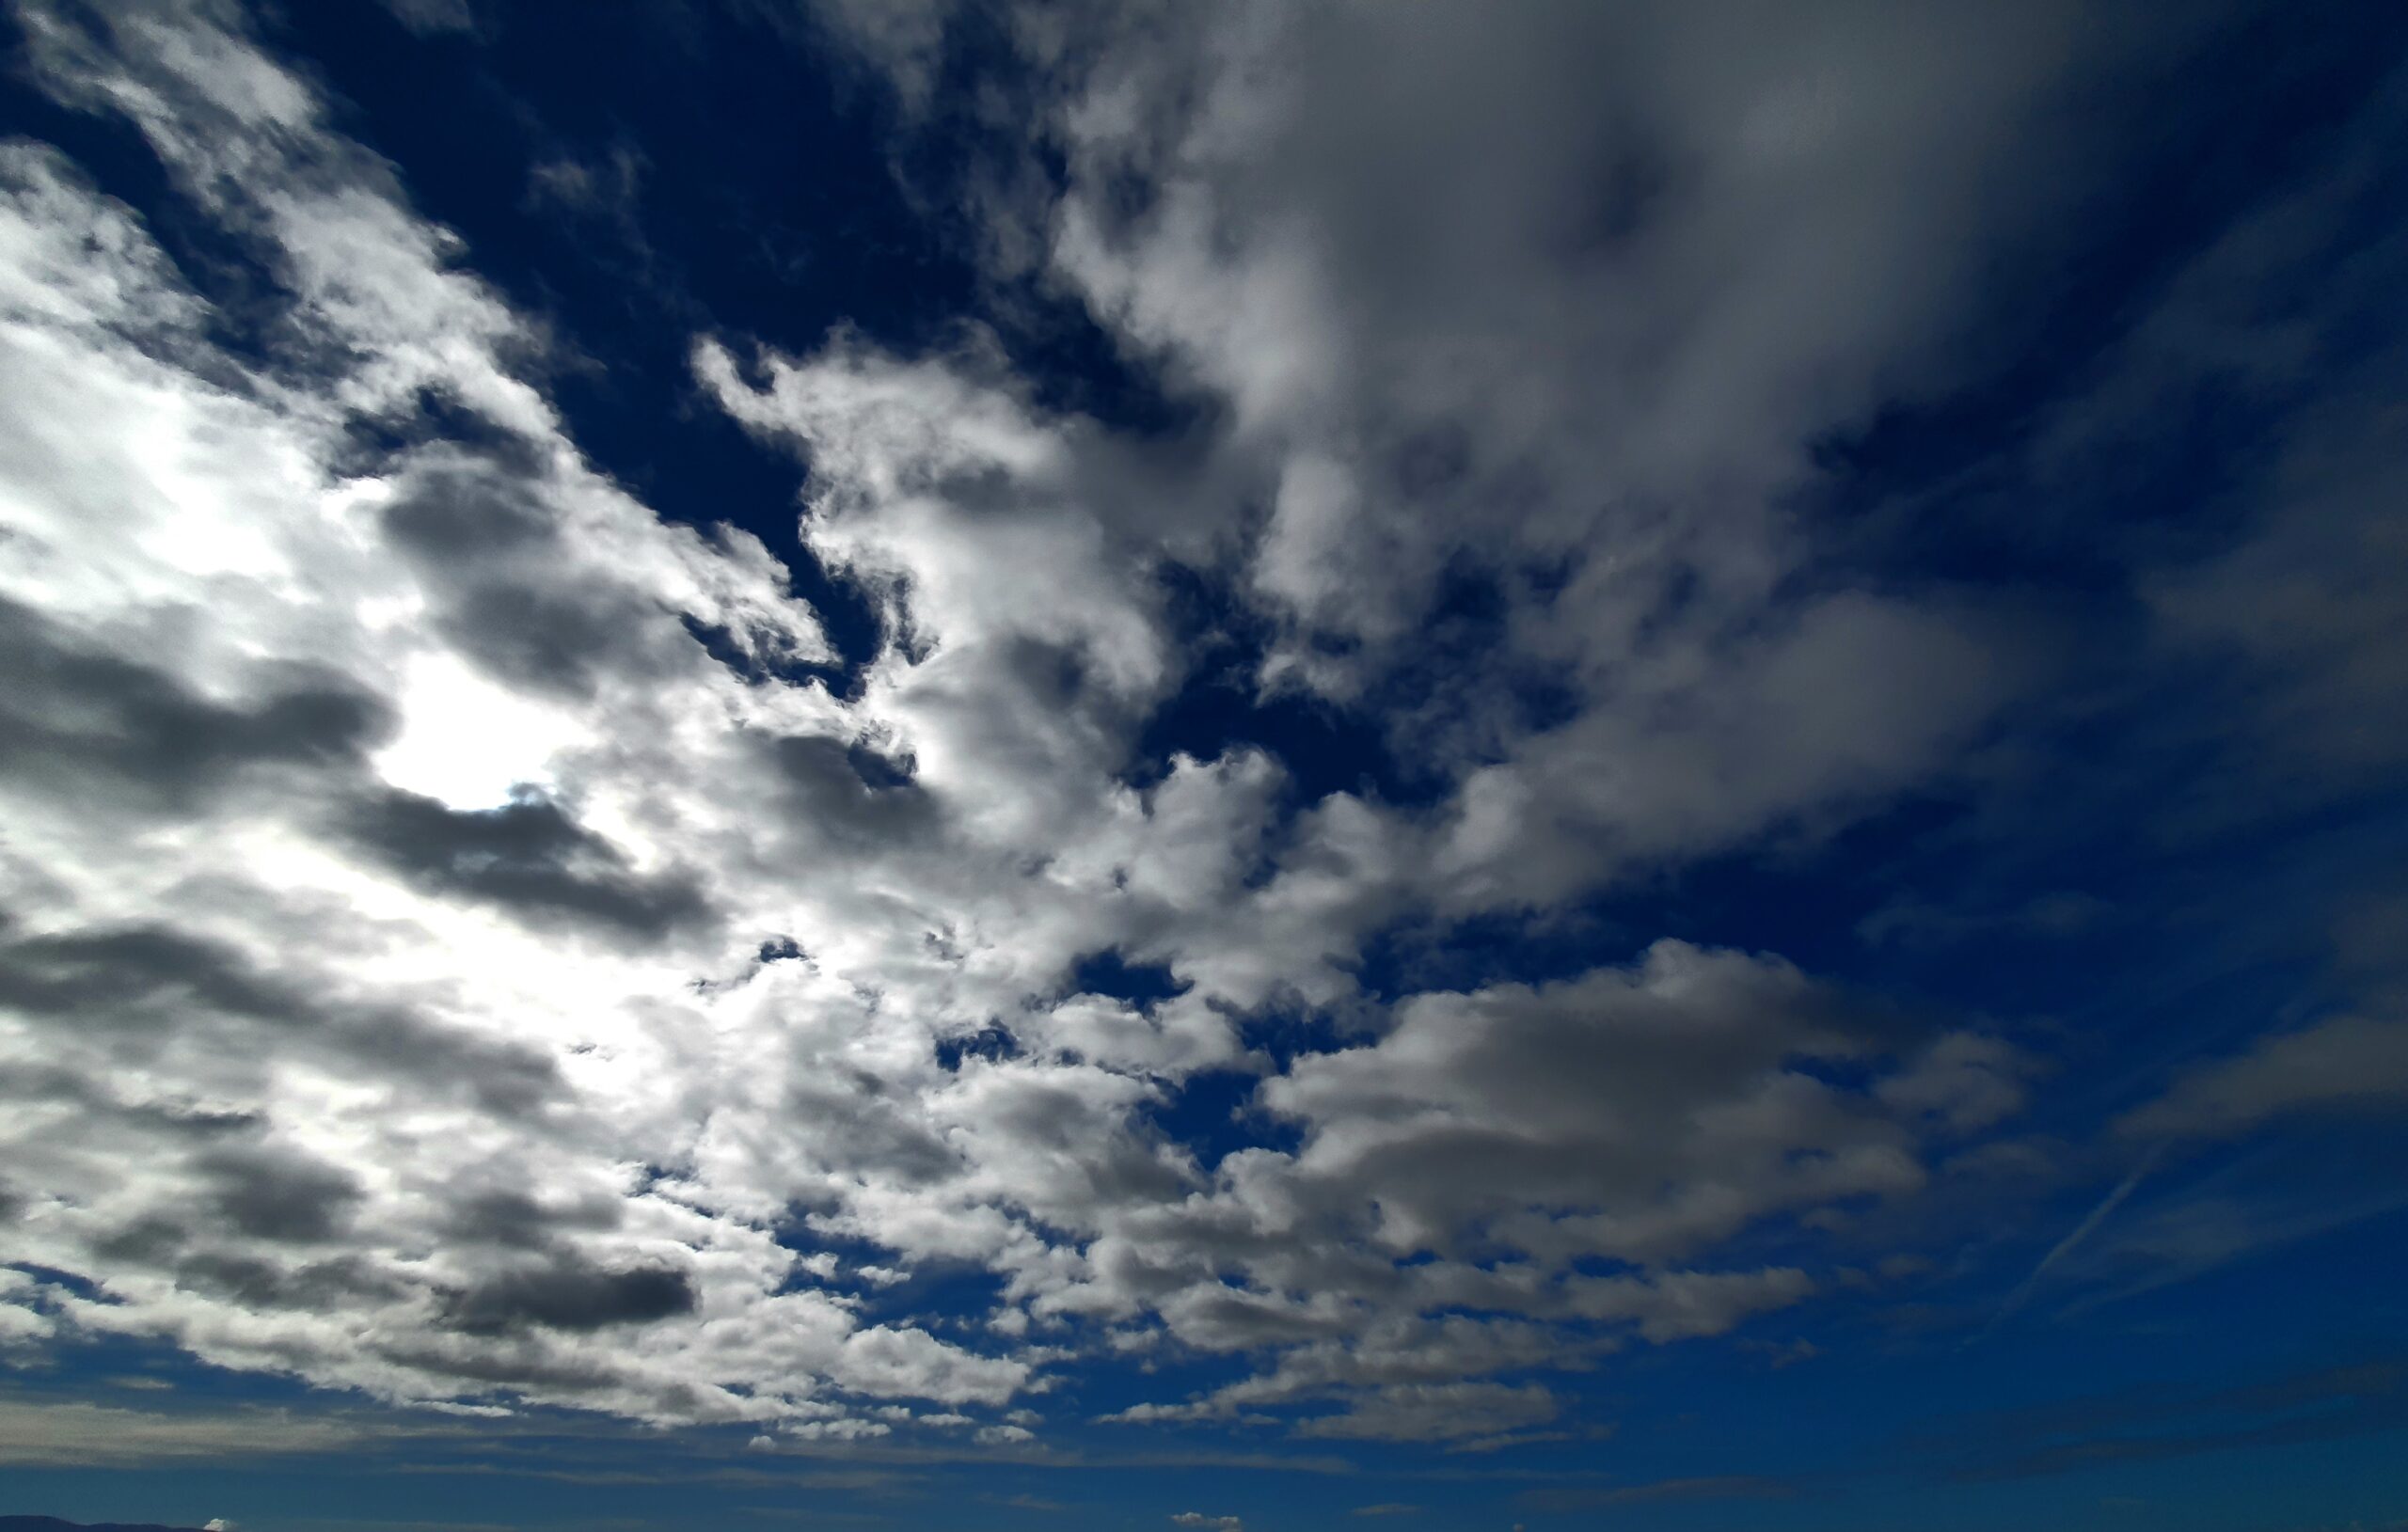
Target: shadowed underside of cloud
x,y
458,944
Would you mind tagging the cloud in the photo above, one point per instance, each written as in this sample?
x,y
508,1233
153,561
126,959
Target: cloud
x,y
1710,1486
1436,1412
72,1434
1220,1523
321,927
1639,1113
1252,210
472,940
2347,1062
432,18
571,1298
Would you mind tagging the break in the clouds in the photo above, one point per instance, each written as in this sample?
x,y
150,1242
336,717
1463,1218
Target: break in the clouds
x,y
1219,874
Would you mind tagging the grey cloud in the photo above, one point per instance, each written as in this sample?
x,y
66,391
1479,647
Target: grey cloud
x,y
2347,1062
136,981
513,1218
529,857
872,1132
567,1294
279,1195
903,36
258,1284
849,793
432,18
514,590
1674,1305
184,1120
457,515
1216,1316
77,716
37,1434
1644,1114
1630,168
1398,1349
1639,1113
539,637
107,974
1436,1412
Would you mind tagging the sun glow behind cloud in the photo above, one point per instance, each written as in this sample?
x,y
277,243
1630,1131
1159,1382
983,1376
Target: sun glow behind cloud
x,y
469,743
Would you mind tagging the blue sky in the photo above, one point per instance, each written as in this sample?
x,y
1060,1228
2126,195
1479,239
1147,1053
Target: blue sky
x,y
918,763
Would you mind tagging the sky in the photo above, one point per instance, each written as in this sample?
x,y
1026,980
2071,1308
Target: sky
x,y
1265,767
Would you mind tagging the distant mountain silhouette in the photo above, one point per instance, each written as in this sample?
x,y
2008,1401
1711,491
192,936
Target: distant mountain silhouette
x,y
52,1524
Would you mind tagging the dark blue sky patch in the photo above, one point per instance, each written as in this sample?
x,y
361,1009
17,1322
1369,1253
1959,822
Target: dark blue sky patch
x,y
1221,704
1212,1116
1111,974
958,1294
990,1042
